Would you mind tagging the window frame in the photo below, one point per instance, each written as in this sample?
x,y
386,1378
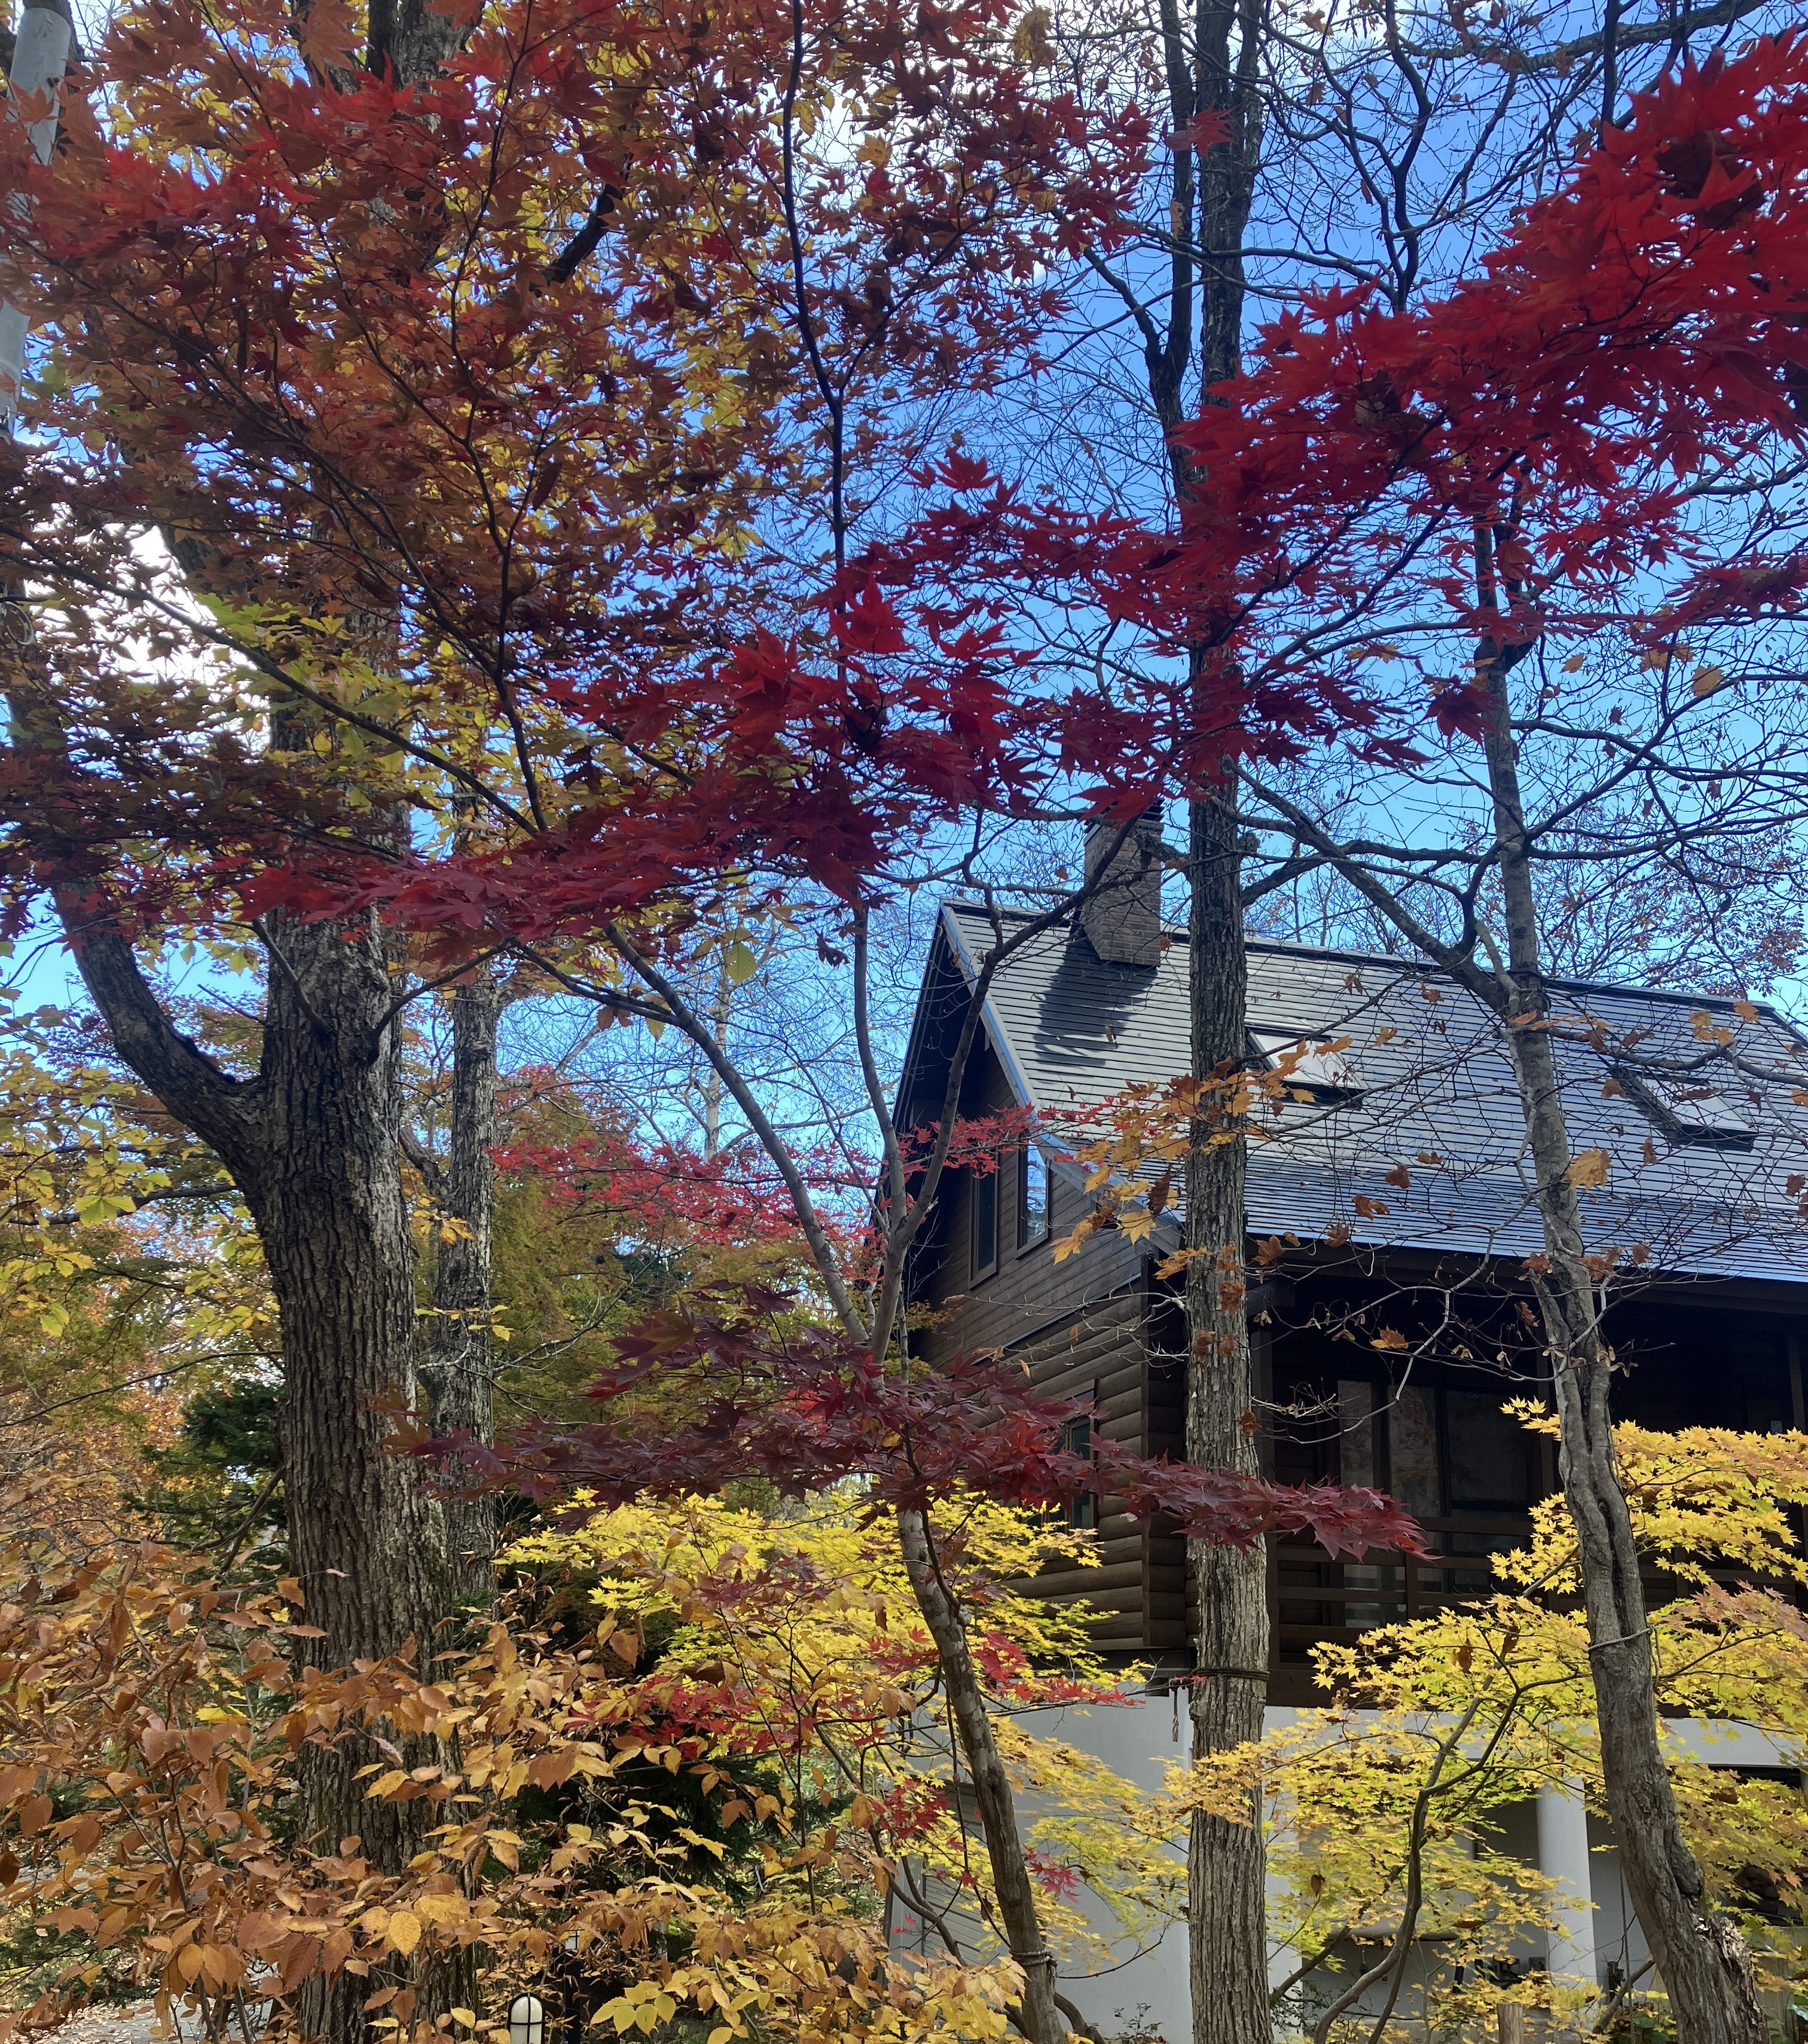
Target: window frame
x,y
1326,1077
1685,1115
1080,1514
1032,1152
976,1271
1480,1506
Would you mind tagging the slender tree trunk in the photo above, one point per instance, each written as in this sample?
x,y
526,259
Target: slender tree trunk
x,y
1706,1968
458,1367
1041,2018
43,38
1226,1863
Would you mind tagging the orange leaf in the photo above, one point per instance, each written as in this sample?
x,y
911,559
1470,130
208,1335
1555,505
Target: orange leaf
x,y
1588,1167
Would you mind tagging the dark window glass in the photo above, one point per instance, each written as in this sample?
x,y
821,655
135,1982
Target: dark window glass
x,y
985,1222
1031,1196
1488,1452
1082,1510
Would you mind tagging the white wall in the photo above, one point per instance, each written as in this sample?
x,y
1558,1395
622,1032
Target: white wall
x,y
1144,1990
1598,1930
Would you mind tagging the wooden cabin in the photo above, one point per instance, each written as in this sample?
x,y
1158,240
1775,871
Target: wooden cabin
x,y
1388,1220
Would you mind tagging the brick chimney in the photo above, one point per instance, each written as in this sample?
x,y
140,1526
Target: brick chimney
x,y
1122,920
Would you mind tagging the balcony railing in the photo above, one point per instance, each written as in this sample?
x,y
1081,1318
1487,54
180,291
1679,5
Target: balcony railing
x,y
1314,1599
1311,1598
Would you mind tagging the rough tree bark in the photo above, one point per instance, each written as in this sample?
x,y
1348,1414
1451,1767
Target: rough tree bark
x,y
1227,1865
313,1144
1213,66
1212,60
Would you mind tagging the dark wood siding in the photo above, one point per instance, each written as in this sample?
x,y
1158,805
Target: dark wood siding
x,y
1096,1326
1028,1292
1079,1324
1097,1353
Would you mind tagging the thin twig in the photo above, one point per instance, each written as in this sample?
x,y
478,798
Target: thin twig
x,y
244,1525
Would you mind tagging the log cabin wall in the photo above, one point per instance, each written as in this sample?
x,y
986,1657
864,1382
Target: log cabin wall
x,y
1081,1328
1431,1431
1098,1354
1440,1263
968,1308
1099,1326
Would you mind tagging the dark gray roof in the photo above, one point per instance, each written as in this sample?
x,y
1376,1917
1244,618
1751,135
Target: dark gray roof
x,y
1072,1031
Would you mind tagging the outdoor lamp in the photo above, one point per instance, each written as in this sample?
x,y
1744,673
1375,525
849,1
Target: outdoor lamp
x,y
527,2020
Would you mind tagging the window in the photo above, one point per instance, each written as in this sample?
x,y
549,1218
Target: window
x,y
1326,1074
1033,1202
1489,1455
1438,1450
1082,1510
985,1222
1694,1116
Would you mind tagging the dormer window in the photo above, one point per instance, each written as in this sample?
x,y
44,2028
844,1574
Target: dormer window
x,y
1311,1066
1692,1116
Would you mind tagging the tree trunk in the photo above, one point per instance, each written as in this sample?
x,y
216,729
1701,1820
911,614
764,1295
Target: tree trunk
x,y
314,1143
1040,2017
1226,1863
1706,1970
324,1184
325,1187
458,1368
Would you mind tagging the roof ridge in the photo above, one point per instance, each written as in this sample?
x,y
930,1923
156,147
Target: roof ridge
x,y
1177,933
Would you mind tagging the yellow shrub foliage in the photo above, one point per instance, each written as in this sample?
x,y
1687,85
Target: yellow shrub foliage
x,y
695,1802
1501,1689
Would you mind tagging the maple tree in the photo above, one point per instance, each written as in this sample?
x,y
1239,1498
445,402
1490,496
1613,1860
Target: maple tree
x,y
751,1388
1519,465
440,592
679,1770
512,414
1488,1704
580,798
152,1719
1343,144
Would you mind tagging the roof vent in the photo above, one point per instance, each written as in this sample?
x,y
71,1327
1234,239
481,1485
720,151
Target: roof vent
x,y
1122,919
1691,1116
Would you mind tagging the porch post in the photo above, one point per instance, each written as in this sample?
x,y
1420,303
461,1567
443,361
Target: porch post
x,y
1562,1854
